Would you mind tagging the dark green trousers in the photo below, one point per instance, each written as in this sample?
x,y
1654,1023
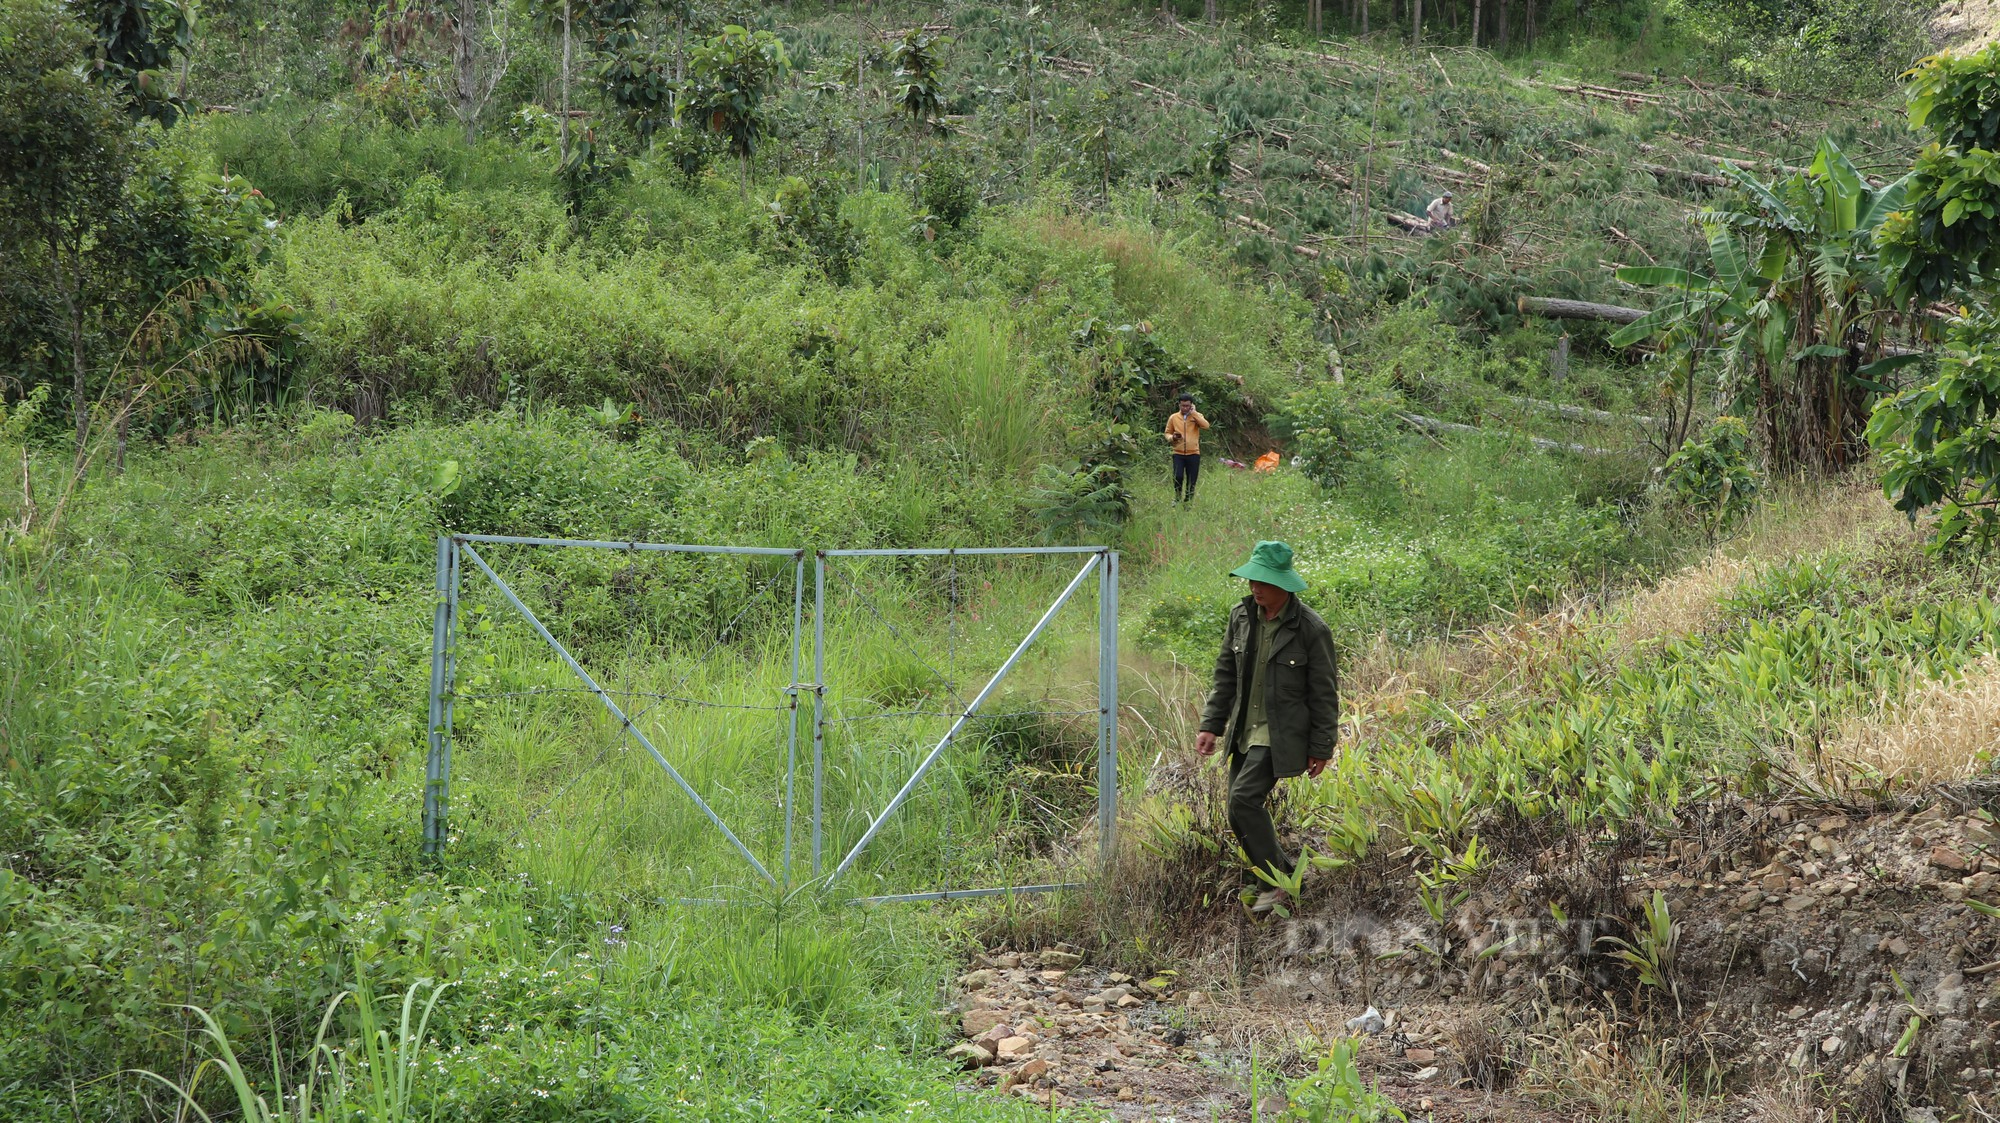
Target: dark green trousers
x,y
1251,779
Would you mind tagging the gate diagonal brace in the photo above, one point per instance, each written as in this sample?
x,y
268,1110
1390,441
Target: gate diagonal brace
x,y
971,710
624,722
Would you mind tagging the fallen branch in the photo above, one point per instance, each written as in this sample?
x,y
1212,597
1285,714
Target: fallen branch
x,y
1633,242
1433,425
1409,222
1171,97
1560,309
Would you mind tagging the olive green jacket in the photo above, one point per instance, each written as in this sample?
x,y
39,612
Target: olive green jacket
x,y
1301,686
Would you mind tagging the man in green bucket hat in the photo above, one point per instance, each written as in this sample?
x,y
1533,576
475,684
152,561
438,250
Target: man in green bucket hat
x,y
1274,706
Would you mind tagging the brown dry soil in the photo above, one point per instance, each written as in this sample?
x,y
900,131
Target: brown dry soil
x,y
1810,937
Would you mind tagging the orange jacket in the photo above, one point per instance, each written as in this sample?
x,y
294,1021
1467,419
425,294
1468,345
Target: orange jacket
x,y
1184,433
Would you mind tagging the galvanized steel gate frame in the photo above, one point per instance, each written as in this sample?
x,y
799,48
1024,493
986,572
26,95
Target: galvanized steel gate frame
x,y
454,550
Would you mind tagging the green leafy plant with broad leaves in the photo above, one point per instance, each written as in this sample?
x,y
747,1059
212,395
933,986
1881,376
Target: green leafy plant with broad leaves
x,y
137,45
948,195
1945,234
1793,298
1712,475
1939,442
807,216
1335,1091
1340,432
919,76
731,78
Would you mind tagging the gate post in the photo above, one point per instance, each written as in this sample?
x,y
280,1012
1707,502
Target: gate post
x,y
1107,707
437,766
819,699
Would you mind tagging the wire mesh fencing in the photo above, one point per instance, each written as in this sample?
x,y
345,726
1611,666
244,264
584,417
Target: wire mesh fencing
x,y
710,722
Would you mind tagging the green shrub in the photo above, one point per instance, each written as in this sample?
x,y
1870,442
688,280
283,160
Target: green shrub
x,y
1712,476
807,217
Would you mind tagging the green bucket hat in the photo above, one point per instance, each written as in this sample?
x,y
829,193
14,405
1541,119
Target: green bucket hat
x,y
1271,563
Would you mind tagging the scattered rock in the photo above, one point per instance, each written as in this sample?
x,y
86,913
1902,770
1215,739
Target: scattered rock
x,y
1945,858
1368,1021
975,980
1420,1056
1830,1046
1016,1046
1425,1073
1061,960
969,1055
1034,1068
976,1022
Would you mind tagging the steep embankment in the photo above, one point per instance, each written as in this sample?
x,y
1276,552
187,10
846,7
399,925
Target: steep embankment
x,y
1727,847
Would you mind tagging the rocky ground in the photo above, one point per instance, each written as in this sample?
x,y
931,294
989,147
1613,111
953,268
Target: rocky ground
x,y
1853,953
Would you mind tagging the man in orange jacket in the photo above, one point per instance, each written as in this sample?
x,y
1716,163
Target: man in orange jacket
x,y
1184,427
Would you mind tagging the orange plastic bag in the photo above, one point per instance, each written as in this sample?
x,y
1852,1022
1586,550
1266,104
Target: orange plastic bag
x,y
1267,462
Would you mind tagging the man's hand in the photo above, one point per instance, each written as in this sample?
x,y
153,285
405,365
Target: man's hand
x,y
1204,743
1315,765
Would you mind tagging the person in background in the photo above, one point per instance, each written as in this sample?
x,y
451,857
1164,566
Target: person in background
x,y
1184,427
1439,213
1274,706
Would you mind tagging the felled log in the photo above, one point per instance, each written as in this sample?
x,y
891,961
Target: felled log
x,y
1247,222
1409,222
1559,309
1433,425
1605,93
1706,179
1584,413
1483,169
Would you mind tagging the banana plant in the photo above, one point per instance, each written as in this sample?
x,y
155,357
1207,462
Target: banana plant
x,y
1789,302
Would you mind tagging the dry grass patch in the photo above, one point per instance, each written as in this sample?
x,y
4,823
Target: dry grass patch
x,y
1945,730
1808,519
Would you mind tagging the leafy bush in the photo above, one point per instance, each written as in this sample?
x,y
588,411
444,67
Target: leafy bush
x,y
949,195
1338,433
1712,476
807,216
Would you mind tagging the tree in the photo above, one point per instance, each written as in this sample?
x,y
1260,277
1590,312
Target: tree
x,y
730,76
1939,442
137,42
1792,297
919,90
479,57
66,153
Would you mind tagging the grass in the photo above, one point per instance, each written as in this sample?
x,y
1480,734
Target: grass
x,y
1938,732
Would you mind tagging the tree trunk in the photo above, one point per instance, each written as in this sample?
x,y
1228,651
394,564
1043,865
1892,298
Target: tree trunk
x,y
563,125
861,102
1529,30
1500,31
464,57
1416,23
1364,17
1478,10
1208,12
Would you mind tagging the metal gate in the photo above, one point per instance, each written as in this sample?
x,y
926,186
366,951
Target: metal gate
x,y
455,552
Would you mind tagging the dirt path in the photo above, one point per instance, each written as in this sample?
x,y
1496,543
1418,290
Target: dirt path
x,y
1044,1025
